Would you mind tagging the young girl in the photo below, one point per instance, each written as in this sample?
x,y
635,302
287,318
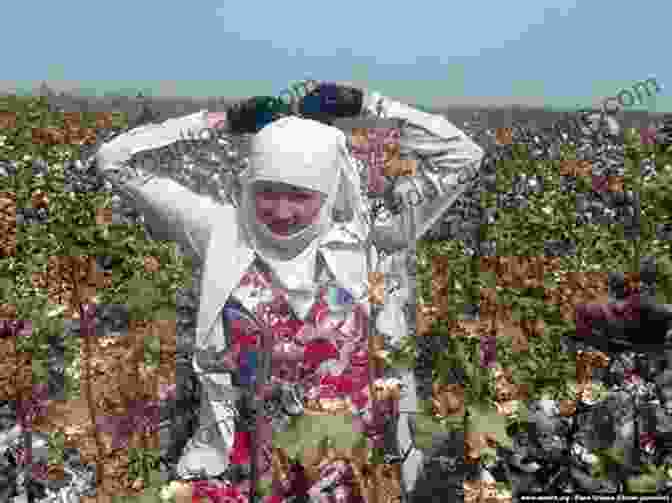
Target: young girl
x,y
280,261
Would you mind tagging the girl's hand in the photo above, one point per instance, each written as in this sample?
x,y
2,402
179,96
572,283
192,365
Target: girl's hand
x,y
217,120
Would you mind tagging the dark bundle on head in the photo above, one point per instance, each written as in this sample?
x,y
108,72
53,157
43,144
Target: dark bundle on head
x,y
251,115
325,103
331,101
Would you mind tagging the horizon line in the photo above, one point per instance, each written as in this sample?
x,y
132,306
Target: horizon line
x,y
73,93
223,100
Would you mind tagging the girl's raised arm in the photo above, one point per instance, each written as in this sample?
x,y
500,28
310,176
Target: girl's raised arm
x,y
171,211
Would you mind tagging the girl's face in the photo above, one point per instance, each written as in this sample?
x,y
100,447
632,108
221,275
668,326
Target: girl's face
x,y
286,209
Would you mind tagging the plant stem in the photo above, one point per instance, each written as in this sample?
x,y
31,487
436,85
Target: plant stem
x,y
637,217
371,369
83,319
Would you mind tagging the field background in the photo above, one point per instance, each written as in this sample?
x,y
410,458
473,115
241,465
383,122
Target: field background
x,y
166,108
582,287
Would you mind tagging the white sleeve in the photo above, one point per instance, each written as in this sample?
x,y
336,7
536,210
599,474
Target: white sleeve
x,y
448,162
151,137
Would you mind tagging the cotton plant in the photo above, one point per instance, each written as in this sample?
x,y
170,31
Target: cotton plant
x,y
63,154
509,409
652,480
595,393
74,369
169,491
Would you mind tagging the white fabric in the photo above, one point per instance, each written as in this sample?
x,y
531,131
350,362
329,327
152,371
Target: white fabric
x,y
323,164
209,448
408,402
306,154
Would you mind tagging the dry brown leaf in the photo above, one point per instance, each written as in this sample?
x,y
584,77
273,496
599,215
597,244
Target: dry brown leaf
x,y
388,479
425,317
504,135
567,407
103,216
7,120
448,400
377,288
104,120
506,408
7,311
615,183
40,199
475,442
152,264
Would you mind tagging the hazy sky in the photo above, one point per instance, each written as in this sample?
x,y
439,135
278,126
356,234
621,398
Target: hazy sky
x,y
435,53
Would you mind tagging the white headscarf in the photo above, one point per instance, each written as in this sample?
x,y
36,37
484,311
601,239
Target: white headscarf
x,y
307,154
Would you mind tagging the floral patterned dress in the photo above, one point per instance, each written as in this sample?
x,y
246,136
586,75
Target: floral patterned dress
x,y
324,352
